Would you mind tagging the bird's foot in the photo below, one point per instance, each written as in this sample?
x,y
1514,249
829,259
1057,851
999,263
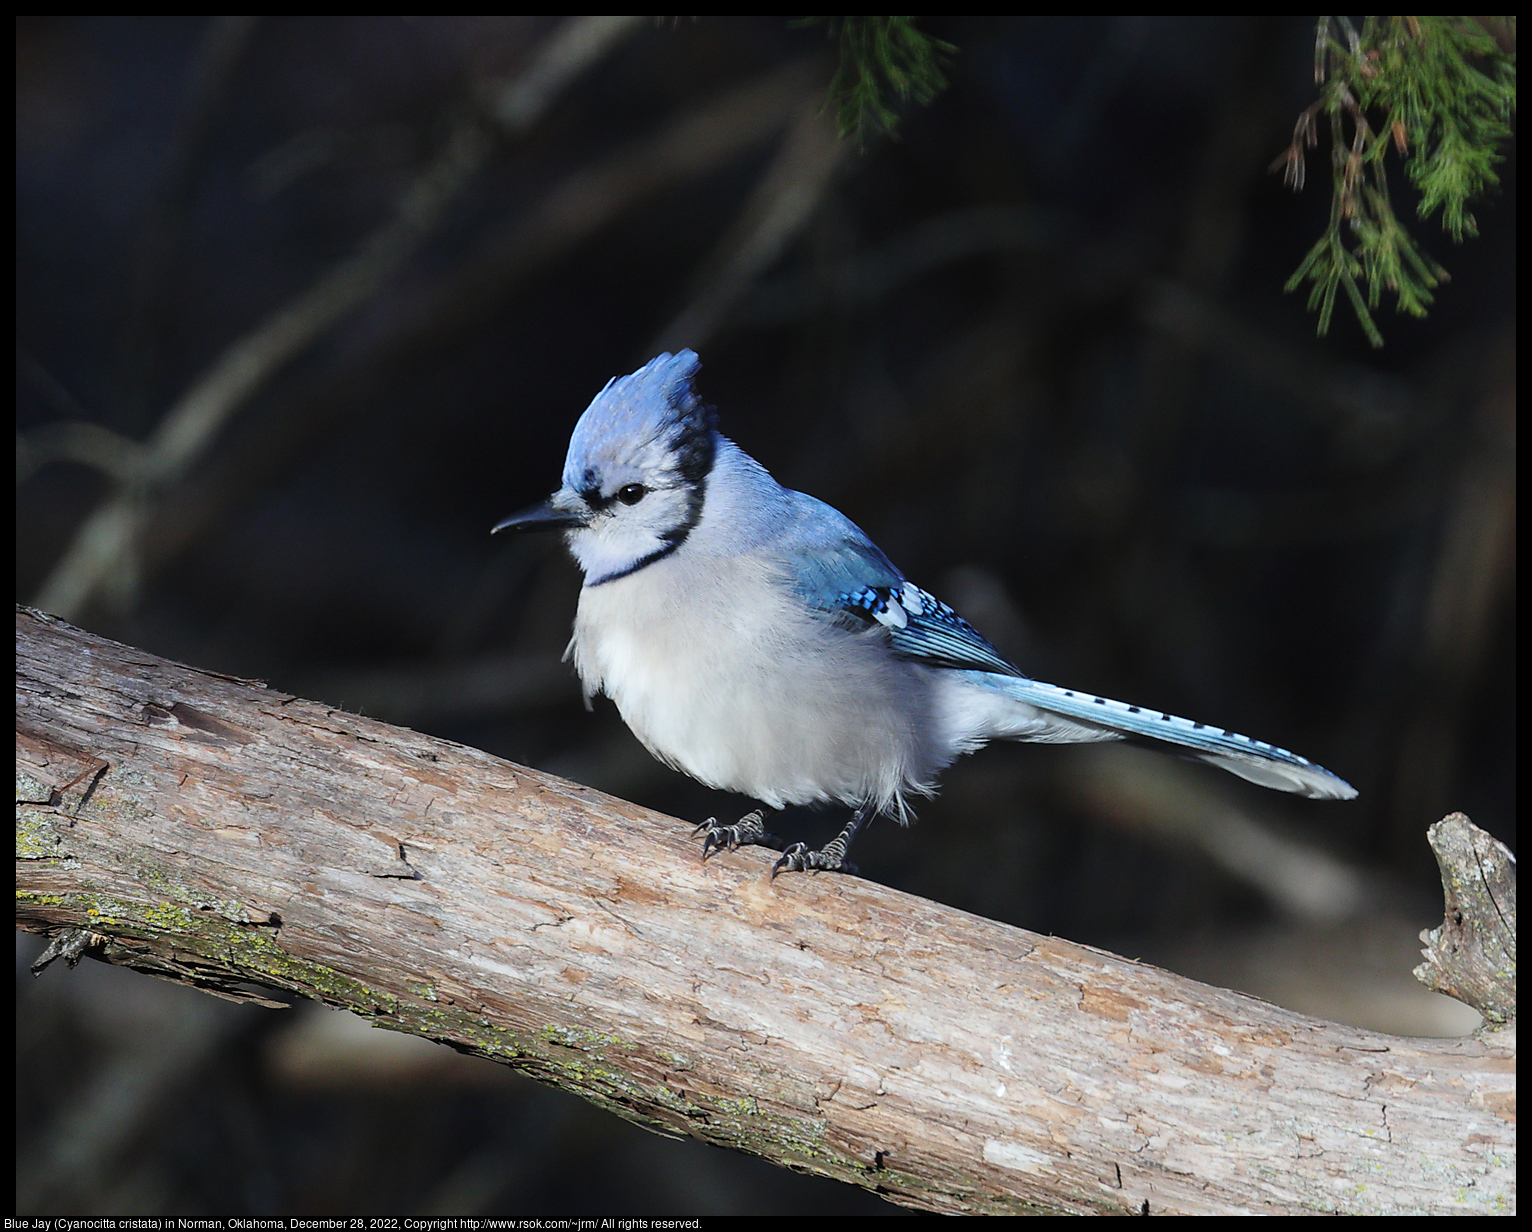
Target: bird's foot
x,y
831,858
749,830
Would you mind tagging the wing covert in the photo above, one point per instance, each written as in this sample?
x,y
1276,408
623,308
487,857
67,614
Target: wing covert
x,y
846,574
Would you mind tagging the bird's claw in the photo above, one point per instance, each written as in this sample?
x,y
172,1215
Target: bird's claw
x,y
799,859
747,831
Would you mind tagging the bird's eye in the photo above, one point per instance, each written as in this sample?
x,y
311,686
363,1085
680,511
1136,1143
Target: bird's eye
x,y
631,493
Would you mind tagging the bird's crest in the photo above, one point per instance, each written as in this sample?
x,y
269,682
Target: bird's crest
x,y
651,420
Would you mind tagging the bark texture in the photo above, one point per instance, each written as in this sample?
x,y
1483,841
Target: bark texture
x,y
214,831
1472,954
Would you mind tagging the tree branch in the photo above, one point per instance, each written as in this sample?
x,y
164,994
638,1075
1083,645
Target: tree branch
x,y
1472,954
216,832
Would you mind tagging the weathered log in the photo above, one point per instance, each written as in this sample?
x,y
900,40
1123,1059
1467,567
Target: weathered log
x,y
213,831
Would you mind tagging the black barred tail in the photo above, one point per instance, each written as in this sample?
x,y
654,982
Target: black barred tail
x,y
1255,760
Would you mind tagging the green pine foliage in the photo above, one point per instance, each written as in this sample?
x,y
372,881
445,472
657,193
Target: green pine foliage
x,y
881,61
1443,92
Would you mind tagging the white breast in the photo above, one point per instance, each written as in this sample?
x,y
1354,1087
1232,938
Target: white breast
x,y
722,672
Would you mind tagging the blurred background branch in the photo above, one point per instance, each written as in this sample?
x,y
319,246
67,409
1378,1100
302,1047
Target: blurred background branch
x,y
107,541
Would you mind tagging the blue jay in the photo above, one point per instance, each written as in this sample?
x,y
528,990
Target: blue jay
x,y
756,639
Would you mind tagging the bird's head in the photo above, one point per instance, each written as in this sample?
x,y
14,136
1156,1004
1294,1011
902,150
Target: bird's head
x,y
636,472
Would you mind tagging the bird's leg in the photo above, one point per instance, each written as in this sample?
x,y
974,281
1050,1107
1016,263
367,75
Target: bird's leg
x,y
831,858
749,829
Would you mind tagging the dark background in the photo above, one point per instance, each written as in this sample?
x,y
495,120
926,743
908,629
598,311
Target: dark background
x,y
1037,347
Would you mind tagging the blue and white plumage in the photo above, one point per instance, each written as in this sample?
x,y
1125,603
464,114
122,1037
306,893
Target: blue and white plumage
x,y
755,638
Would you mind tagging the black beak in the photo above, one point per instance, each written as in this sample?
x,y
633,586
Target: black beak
x,y
549,515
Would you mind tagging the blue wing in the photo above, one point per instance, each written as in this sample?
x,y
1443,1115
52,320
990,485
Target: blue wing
x,y
838,569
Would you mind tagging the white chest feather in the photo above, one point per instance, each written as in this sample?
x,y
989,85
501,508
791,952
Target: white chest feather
x,y
725,674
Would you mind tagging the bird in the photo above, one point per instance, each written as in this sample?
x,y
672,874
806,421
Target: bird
x,y
756,639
